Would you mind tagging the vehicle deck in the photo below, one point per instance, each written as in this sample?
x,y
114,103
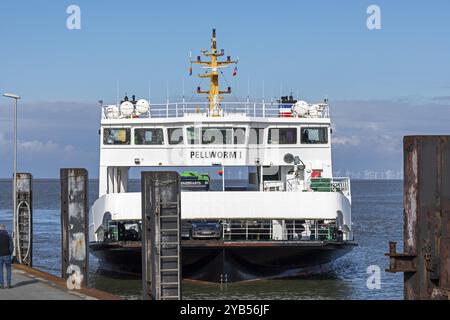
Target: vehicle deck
x,y
226,244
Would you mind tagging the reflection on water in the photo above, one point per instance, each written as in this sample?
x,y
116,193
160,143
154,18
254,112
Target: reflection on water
x,y
325,287
124,286
377,216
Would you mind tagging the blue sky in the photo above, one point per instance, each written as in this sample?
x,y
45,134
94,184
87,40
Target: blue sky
x,y
382,84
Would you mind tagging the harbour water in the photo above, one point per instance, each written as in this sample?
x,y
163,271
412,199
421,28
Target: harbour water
x,y
377,217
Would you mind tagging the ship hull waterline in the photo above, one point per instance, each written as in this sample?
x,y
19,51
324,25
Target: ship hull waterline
x,y
219,262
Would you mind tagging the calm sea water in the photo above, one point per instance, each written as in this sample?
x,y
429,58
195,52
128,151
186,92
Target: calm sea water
x,y
377,217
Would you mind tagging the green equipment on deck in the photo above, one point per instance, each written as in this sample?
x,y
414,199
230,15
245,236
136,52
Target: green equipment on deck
x,y
321,185
194,181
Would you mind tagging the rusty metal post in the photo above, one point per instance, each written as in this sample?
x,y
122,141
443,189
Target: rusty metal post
x,y
161,240
425,260
24,219
74,227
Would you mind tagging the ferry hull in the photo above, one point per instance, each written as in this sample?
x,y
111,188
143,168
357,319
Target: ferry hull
x,y
216,261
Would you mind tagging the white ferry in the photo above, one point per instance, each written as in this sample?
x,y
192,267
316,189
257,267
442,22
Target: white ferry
x,y
293,218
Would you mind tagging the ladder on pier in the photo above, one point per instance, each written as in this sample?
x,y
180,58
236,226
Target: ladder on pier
x,y
24,220
161,216
168,250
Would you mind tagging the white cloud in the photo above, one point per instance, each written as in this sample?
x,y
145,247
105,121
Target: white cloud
x,y
37,146
69,148
346,141
33,146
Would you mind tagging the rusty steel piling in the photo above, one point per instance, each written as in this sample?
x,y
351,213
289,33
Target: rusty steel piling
x,y
74,227
425,261
161,240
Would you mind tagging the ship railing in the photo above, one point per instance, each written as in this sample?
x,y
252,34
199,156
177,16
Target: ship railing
x,y
280,230
342,185
249,109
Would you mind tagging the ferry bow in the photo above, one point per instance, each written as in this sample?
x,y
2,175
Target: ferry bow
x,y
293,217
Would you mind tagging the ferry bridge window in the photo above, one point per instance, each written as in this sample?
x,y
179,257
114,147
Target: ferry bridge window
x,y
117,136
217,135
256,136
220,136
239,135
148,136
175,135
314,135
223,136
193,135
283,136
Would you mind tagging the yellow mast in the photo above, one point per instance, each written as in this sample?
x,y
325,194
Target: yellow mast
x,y
214,92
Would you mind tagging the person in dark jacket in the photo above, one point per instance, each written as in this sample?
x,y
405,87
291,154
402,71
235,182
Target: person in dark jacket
x,y
6,250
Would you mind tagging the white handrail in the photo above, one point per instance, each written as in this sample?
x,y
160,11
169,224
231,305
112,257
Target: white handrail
x,y
260,109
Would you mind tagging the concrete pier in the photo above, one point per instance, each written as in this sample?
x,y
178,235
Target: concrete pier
x,y
32,284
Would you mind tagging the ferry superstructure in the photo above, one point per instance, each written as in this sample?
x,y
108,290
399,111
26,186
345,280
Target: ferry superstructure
x,y
295,219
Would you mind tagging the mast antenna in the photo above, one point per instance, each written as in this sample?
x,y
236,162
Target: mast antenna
x,y
213,65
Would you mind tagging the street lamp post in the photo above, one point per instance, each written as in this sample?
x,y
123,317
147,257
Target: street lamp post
x,y
15,229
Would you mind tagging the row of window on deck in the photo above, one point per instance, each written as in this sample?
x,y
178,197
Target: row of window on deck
x,y
220,136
